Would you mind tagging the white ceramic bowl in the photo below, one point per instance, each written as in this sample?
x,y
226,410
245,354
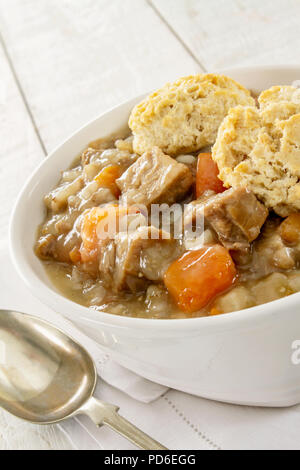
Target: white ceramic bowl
x,y
242,357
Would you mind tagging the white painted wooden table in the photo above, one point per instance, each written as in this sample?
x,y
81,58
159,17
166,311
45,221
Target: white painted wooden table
x,y
63,62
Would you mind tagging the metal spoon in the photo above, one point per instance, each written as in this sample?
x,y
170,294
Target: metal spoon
x,y
46,377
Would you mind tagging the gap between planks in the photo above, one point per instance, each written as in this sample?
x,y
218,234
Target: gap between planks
x,y
22,93
176,35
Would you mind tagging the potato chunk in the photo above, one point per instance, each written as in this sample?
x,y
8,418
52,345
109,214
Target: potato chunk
x,y
271,288
238,298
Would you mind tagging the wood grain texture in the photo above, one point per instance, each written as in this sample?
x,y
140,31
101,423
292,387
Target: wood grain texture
x,y
71,60
18,435
226,33
20,153
77,58
20,150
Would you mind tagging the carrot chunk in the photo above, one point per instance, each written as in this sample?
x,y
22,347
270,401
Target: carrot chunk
x,y
290,229
198,276
91,220
207,175
97,224
107,179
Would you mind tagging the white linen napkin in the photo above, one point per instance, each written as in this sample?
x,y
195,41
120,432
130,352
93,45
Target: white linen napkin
x,y
178,420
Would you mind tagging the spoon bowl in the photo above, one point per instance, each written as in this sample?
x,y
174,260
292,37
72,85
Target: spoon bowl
x,y
46,377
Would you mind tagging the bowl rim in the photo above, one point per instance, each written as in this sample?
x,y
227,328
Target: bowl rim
x,y
40,290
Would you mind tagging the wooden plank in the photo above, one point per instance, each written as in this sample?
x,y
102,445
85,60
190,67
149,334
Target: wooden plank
x,y
72,60
19,435
77,58
226,33
20,153
20,149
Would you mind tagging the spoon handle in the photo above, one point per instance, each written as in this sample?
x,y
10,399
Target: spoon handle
x,y
103,413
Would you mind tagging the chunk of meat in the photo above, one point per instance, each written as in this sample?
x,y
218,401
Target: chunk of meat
x,y
58,248
60,238
235,215
153,179
196,278
45,246
131,260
